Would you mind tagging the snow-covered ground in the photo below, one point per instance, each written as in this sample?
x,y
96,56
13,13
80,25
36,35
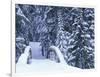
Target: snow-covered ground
x,y
44,66
40,64
36,50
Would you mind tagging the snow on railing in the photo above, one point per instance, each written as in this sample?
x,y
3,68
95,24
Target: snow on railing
x,y
24,56
59,54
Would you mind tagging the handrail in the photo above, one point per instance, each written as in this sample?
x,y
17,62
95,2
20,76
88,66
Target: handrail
x,y
24,56
59,54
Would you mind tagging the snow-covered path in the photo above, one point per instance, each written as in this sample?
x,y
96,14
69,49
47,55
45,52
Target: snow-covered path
x,y
36,50
39,64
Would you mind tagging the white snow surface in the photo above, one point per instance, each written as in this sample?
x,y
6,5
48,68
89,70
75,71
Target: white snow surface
x,y
24,56
42,65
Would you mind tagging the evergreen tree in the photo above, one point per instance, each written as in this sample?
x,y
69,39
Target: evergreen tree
x,y
71,29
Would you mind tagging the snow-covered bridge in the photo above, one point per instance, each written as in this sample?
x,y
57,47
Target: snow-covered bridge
x,y
39,63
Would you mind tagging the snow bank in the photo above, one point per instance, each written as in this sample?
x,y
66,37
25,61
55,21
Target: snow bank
x,y
24,56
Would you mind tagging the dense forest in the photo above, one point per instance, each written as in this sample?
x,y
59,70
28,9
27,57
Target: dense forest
x,y
71,29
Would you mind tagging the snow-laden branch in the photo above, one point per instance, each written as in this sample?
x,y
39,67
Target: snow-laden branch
x,y
45,15
20,13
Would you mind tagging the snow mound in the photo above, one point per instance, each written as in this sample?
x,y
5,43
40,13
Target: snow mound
x,y
59,54
24,56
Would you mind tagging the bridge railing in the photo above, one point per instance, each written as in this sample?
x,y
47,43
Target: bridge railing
x,y
58,53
